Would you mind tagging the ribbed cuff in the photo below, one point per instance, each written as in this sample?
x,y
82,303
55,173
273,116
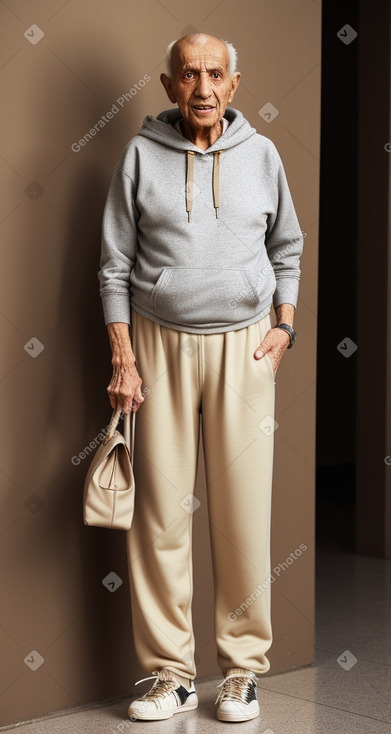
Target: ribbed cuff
x,y
287,291
116,308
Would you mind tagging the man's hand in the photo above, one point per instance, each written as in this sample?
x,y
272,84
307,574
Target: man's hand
x,y
276,341
125,388
125,385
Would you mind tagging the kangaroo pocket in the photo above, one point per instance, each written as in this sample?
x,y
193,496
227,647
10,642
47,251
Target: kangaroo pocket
x,y
204,296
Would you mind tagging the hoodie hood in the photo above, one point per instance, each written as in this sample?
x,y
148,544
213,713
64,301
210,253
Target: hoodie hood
x,y
162,130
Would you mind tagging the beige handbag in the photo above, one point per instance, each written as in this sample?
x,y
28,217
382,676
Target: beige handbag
x,y
108,499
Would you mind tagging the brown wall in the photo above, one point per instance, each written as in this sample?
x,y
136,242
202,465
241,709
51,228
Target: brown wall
x,y
54,401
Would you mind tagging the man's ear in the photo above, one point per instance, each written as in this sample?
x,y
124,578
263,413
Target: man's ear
x,y
234,86
167,84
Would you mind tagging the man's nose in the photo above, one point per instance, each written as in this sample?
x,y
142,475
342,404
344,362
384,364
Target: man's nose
x,y
204,87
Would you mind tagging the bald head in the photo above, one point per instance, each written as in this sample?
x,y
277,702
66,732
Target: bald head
x,y
178,50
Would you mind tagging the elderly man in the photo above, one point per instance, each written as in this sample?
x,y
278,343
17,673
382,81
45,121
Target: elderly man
x,y
200,238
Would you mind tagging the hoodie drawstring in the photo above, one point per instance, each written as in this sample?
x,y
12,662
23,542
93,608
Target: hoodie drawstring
x,y
189,182
216,181
189,188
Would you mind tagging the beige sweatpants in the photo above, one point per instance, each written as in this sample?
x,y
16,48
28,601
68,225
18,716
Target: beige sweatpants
x,y
213,378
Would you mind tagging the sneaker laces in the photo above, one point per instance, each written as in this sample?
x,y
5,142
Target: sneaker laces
x,y
233,686
160,688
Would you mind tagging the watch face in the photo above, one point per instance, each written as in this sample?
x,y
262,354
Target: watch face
x,y
291,333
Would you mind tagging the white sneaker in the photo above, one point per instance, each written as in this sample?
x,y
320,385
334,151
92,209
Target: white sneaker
x,y
237,700
165,698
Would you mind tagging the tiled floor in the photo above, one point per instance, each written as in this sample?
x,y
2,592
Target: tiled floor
x,y
353,617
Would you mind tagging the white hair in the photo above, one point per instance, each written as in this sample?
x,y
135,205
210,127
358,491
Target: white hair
x,y
231,51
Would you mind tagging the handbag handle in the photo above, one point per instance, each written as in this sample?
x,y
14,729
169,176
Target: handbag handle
x,y
129,428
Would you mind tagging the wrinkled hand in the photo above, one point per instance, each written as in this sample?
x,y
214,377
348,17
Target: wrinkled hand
x,y
125,388
275,342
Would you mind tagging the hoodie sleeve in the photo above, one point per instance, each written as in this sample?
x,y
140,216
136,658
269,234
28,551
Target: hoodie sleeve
x,y
118,248
284,241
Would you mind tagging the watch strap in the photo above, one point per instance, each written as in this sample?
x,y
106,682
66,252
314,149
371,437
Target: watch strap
x,y
289,330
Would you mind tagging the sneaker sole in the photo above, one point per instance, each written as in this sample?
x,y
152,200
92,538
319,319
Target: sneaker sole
x,y
225,716
160,715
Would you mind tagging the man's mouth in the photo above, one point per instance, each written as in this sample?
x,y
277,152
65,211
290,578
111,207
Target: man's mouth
x,y
203,107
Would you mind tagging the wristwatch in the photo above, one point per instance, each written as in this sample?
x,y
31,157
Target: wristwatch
x,y
290,331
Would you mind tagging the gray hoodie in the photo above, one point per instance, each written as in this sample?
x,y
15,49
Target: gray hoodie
x,y
202,241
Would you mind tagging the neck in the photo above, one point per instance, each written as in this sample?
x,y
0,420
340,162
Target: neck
x,y
203,138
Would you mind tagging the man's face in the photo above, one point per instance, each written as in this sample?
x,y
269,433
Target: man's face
x,y
200,84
